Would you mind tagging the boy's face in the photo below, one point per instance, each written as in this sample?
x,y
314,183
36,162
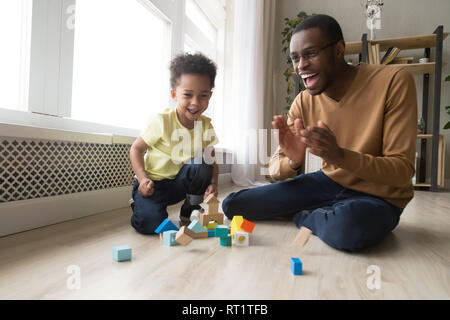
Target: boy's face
x,y
192,95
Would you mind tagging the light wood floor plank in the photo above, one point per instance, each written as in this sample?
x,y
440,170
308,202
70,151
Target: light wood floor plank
x,y
414,261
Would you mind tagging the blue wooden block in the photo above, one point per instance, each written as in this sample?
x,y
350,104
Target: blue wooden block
x,y
122,253
166,225
169,238
211,233
296,266
226,241
196,227
221,231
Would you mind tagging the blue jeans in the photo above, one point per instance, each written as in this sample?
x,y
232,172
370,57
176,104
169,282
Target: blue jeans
x,y
149,212
342,218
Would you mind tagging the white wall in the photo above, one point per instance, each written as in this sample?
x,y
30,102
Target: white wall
x,y
399,18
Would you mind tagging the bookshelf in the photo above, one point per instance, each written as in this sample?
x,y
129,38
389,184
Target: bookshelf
x,y
432,68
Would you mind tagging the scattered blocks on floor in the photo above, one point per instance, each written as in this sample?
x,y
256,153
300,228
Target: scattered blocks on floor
x,y
166,225
169,238
296,266
241,238
226,241
221,231
196,226
184,236
122,253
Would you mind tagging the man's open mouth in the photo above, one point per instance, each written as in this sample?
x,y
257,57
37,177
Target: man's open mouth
x,y
310,79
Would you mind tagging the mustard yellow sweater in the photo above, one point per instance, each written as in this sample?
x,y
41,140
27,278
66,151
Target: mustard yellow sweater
x,y
376,124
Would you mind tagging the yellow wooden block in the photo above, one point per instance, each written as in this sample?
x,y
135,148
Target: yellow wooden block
x,y
211,225
237,221
236,225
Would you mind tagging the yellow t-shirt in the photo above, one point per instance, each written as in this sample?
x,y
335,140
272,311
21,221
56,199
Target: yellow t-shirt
x,y
171,145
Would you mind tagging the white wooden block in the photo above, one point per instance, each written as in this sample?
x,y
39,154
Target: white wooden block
x,y
195,215
241,238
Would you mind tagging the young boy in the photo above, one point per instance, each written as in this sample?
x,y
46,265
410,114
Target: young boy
x,y
165,174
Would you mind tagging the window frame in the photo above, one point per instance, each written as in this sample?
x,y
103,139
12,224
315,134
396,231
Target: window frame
x,y
51,65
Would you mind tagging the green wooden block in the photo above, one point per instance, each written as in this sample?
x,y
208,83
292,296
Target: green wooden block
x,y
122,253
221,231
226,241
169,238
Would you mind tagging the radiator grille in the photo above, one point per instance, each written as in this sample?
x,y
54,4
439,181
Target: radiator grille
x,y
33,168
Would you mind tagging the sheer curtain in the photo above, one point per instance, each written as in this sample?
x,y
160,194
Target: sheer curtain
x,y
251,104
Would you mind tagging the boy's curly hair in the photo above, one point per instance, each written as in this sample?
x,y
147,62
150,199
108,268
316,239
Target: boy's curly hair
x,y
187,63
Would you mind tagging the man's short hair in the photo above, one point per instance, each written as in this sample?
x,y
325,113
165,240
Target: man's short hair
x,y
328,26
187,63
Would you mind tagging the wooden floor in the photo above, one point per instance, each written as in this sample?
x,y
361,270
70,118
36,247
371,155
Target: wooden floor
x,y
413,261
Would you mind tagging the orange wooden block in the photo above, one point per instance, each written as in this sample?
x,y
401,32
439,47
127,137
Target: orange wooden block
x,y
247,226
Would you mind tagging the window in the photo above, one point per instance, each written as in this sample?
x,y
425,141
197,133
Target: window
x,y
121,56
15,29
204,32
201,21
101,66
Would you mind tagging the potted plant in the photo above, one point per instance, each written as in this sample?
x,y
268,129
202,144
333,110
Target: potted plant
x,y
289,26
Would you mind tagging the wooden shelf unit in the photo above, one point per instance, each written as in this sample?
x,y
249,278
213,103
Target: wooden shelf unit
x,y
426,42
441,160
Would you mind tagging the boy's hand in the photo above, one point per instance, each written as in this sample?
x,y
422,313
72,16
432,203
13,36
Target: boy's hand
x,y
146,187
212,189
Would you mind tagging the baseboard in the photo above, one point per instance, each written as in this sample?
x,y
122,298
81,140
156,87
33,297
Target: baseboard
x,y
225,178
18,216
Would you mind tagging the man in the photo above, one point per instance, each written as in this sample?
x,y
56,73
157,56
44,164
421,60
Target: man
x,y
362,122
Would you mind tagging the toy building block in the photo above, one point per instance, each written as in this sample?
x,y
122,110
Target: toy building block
x,y
205,218
211,233
166,225
201,235
195,215
169,238
247,226
121,253
196,227
226,241
221,231
241,238
303,236
211,225
212,204
235,225
296,266
236,221
184,236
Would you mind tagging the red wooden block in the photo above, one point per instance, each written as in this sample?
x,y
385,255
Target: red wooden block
x,y
247,226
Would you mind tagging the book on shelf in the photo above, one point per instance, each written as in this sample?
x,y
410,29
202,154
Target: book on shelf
x,y
390,55
373,53
402,60
377,54
369,53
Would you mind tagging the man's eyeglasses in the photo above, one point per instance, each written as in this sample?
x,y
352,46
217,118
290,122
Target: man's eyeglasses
x,y
308,54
